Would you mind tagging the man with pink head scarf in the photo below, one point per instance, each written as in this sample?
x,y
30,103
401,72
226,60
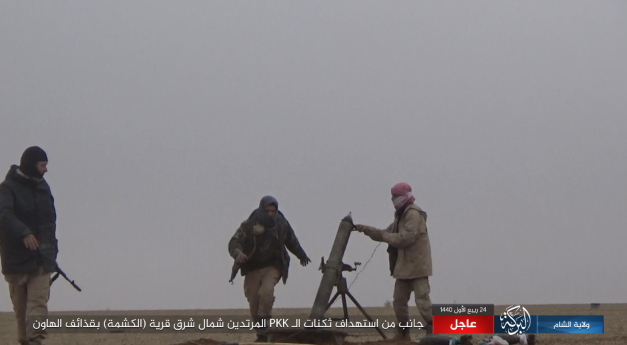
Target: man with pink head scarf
x,y
409,255
401,195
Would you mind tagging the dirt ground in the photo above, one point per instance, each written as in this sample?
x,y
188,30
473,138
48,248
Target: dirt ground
x,y
615,330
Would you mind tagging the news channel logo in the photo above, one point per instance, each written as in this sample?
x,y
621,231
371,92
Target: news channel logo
x,y
515,320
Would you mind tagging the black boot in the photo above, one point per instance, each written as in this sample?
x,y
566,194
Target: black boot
x,y
402,334
429,327
261,336
261,332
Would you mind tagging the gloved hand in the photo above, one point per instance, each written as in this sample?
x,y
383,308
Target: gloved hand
x,y
305,261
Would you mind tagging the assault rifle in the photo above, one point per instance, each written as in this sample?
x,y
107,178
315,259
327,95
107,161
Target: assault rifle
x,y
60,272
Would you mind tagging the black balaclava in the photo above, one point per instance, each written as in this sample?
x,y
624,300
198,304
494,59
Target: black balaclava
x,y
29,160
260,216
268,200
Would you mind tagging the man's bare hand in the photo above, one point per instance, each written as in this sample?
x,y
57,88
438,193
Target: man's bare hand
x,y
31,242
241,258
360,227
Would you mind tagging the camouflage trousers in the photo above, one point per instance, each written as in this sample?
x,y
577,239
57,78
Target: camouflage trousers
x,y
403,289
29,294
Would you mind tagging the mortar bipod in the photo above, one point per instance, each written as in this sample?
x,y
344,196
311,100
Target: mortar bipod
x,y
342,290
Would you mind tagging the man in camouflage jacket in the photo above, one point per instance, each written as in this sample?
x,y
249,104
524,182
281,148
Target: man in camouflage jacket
x,y
260,249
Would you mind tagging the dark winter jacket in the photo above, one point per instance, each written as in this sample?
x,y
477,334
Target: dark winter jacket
x,y
283,236
26,207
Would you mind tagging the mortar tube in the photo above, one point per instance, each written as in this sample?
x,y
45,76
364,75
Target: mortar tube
x,y
332,268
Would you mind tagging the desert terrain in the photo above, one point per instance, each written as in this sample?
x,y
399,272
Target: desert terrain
x,y
615,332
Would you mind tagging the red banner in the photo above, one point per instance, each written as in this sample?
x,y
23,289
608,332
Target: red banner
x,y
466,324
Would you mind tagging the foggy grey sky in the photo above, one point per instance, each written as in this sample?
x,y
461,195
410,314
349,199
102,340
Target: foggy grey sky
x,y
166,122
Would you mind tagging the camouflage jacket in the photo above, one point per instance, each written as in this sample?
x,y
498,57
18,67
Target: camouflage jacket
x,y
243,241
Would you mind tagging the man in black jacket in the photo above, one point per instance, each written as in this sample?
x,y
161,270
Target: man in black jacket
x,y
28,243
260,249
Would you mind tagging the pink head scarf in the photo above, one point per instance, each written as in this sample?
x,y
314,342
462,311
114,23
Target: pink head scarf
x,y
402,195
